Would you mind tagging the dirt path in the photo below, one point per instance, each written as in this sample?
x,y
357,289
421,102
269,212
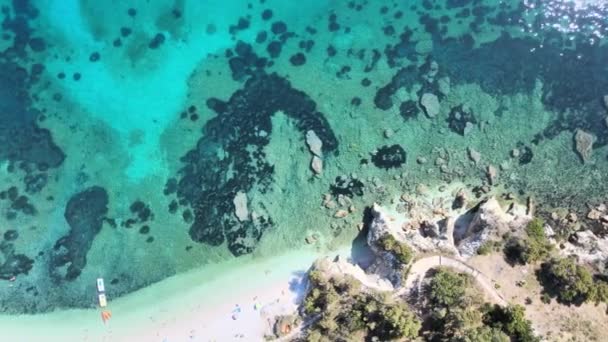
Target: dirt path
x,y
422,266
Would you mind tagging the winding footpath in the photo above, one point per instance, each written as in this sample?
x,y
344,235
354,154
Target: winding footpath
x,y
420,268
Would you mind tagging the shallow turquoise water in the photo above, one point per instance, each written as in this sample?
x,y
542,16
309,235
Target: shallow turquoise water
x,y
141,139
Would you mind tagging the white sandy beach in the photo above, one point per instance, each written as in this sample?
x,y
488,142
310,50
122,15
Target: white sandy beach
x,y
235,306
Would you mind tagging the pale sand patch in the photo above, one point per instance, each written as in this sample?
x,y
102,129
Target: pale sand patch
x,y
195,306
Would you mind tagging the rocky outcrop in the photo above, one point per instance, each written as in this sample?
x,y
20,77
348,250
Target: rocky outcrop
x,y
588,248
583,142
485,222
492,174
340,268
384,223
434,224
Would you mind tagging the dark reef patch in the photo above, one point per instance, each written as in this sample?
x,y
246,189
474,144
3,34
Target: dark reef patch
x,y
388,157
298,59
14,264
405,48
20,137
525,155
409,110
460,119
244,61
573,80
347,186
85,213
229,158
11,235
141,210
405,77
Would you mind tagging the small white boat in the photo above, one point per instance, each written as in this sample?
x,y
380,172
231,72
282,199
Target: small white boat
x,y
103,302
101,288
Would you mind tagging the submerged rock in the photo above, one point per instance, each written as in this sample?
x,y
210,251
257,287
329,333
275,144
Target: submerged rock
x,y
316,164
583,143
474,155
240,206
430,103
443,85
341,213
315,145
492,174
461,119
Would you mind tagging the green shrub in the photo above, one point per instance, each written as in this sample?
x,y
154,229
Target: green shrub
x,y
486,248
512,321
569,282
600,292
400,250
536,230
346,312
322,293
534,247
485,334
545,298
396,321
447,288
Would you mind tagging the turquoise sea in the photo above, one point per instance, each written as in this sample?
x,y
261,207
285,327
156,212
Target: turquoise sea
x,y
142,139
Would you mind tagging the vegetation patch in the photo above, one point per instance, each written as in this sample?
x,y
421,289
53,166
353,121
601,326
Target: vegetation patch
x,y
344,312
571,283
402,252
455,312
531,248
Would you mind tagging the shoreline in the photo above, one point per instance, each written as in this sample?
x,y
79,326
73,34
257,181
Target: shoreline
x,y
234,306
